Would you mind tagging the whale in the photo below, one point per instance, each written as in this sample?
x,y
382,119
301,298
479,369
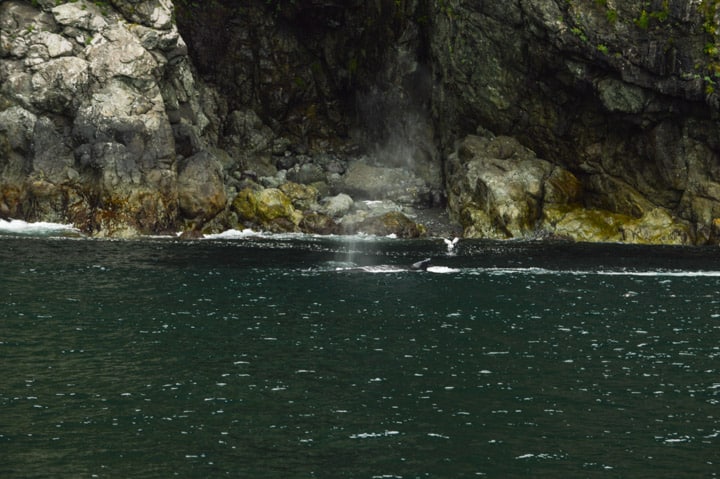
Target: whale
x,y
421,265
385,268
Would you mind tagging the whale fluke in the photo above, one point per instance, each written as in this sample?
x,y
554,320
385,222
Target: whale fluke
x,y
451,243
421,265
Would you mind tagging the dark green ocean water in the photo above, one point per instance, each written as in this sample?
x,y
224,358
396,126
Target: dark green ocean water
x,y
307,357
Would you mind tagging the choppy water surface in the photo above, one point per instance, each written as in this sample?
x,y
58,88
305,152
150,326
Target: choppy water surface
x,y
309,357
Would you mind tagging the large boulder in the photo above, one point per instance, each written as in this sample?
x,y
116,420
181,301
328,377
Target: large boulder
x,y
393,223
498,188
268,209
201,190
318,223
337,206
594,225
156,14
584,224
659,227
249,141
303,197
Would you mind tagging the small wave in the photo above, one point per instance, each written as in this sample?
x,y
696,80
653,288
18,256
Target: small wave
x,y
373,269
238,234
40,228
370,435
532,271
249,233
385,268
442,269
542,455
558,272
662,273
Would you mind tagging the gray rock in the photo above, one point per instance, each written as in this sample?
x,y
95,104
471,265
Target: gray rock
x,y
201,189
249,141
157,14
99,134
378,207
306,174
499,188
117,53
337,206
274,181
366,181
52,158
620,96
17,126
330,163
81,14
113,162
56,45
56,83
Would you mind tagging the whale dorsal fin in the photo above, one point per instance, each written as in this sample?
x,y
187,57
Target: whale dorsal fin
x,y
421,265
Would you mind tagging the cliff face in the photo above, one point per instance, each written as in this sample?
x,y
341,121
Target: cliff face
x,y
622,94
88,93
589,120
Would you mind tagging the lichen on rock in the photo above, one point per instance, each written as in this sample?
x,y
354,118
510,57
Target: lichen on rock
x,y
268,209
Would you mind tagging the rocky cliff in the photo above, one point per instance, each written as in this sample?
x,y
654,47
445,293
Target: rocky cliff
x,y
621,94
590,120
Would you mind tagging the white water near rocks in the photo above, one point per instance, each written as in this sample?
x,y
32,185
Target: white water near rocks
x,y
297,356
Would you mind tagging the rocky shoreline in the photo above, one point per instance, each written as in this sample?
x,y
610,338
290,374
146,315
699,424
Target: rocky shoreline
x,y
571,120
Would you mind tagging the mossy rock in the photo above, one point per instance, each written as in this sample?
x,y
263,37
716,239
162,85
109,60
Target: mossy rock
x,y
562,187
303,197
265,207
392,223
274,204
281,225
581,224
659,227
477,223
318,223
245,204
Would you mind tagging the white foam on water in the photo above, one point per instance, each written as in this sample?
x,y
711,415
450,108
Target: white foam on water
x,y
370,435
37,228
662,273
559,272
385,268
511,271
442,269
249,233
373,269
234,234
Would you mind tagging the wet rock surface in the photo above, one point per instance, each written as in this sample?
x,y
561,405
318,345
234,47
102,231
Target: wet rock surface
x,y
592,121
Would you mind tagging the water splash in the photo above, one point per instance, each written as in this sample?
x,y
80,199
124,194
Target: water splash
x,y
41,228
